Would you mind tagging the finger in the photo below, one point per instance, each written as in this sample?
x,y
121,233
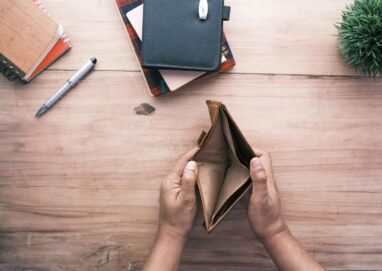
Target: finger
x,y
266,159
259,152
274,183
247,196
262,153
188,180
258,176
180,164
267,162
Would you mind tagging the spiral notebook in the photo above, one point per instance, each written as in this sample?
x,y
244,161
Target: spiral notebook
x,y
30,40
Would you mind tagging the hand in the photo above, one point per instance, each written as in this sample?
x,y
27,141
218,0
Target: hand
x,y
264,210
177,198
266,219
177,215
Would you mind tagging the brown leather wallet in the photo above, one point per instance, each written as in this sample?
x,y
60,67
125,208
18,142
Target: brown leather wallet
x,y
224,159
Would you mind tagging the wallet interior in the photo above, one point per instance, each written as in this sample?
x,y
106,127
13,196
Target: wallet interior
x,y
224,160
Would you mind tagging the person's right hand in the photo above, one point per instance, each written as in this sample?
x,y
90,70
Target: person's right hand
x,y
266,219
264,210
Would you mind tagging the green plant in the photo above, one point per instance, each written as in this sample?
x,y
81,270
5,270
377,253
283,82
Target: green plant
x,y
360,36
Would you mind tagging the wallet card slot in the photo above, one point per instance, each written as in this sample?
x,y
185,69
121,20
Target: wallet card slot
x,y
212,177
231,201
243,150
227,131
212,160
236,173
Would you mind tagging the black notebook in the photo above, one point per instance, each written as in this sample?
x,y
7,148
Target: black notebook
x,y
176,37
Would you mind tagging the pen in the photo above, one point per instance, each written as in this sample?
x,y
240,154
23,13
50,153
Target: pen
x,y
70,83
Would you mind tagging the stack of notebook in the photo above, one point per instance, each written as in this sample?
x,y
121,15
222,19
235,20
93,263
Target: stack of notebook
x,y
160,81
30,40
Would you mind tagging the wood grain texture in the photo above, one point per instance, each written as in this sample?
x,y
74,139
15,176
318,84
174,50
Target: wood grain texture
x,y
266,36
79,187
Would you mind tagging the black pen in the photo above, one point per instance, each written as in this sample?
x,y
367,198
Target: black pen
x,y
72,81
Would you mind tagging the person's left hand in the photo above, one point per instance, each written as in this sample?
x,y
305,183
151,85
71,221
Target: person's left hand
x,y
177,198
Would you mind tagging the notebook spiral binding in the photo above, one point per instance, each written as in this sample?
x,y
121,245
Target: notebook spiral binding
x,y
9,70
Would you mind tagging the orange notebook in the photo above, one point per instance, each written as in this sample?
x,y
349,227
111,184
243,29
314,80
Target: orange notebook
x,y
62,46
39,60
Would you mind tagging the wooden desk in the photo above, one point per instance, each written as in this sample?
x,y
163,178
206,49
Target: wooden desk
x,y
79,187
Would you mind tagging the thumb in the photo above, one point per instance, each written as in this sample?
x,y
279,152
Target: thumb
x,y
258,176
188,180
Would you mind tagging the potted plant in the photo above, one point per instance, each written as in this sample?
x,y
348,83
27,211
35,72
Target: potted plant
x,y
360,36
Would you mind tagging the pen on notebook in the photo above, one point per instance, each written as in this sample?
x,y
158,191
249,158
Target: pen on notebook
x,y
70,83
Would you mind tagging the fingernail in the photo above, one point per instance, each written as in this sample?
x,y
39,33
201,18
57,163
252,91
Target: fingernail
x,y
255,162
191,166
254,159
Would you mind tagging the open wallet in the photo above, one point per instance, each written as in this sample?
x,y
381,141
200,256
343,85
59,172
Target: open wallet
x,y
223,165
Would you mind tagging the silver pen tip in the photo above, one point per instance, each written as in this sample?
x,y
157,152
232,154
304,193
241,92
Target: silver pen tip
x,y
94,60
41,111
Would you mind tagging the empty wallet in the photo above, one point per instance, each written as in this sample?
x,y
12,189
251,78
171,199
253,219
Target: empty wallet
x,y
223,165
174,36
